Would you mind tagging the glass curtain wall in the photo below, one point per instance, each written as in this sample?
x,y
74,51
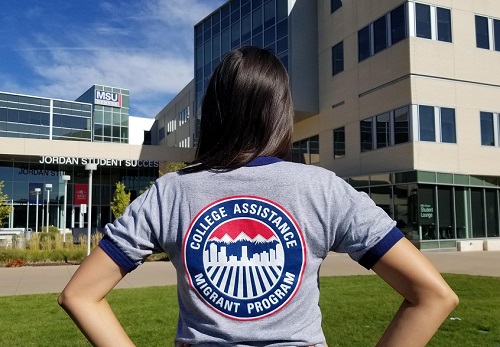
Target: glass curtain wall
x,y
22,178
436,215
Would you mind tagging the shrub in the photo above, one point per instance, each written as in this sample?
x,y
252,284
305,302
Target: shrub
x,y
52,230
16,263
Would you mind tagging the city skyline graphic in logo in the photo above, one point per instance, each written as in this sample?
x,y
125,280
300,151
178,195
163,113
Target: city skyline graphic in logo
x,y
244,257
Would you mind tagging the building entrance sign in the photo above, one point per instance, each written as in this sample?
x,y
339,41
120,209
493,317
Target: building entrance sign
x,y
98,161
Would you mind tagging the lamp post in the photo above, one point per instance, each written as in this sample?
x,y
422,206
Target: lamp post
x,y
37,191
65,178
89,168
48,188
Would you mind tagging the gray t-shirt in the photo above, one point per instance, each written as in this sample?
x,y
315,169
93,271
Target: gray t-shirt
x,y
248,244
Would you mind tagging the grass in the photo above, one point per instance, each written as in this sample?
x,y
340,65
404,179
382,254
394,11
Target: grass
x,y
356,309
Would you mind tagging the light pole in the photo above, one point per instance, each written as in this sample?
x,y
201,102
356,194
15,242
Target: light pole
x,y
65,178
48,188
37,191
89,168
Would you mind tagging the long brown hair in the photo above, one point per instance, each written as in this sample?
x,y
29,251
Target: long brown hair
x,y
247,111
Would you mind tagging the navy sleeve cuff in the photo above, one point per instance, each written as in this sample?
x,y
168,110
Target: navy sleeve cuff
x,y
376,252
115,253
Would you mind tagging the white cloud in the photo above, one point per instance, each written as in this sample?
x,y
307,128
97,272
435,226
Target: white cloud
x,y
146,49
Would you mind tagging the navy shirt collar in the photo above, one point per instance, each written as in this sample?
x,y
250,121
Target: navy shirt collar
x,y
260,161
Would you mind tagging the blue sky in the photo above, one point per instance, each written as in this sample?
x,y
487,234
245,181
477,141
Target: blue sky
x,y
60,48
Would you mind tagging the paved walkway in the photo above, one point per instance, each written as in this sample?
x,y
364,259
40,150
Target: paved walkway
x,y
52,279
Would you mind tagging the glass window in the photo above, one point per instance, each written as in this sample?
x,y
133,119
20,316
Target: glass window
x,y
405,205
462,208
445,211
282,45
383,130
216,46
282,29
313,143
245,9
492,227
3,114
426,122
448,132
45,119
477,209
398,24
246,27
257,21
225,41
281,10
12,115
224,12
401,125
339,142
496,34
443,24
487,129
207,50
335,5
423,19
364,49
269,36
306,151
35,118
338,58
24,116
269,13
258,40
235,35
107,130
482,34
366,135
427,212
379,34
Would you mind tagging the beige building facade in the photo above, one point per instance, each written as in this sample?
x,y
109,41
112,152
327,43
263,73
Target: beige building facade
x,y
409,99
400,98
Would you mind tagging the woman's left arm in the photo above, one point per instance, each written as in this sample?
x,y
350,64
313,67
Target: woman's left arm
x,y
84,300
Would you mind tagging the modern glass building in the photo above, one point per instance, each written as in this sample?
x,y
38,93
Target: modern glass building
x,y
110,113
43,140
42,118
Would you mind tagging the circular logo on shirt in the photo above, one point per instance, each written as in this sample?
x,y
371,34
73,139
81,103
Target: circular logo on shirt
x,y
244,256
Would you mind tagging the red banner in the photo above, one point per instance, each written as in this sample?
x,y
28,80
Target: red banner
x,y
81,194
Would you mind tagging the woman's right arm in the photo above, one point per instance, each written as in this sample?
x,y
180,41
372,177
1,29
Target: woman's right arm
x,y
427,297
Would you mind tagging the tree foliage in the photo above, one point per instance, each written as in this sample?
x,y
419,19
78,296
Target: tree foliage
x,y
5,208
121,199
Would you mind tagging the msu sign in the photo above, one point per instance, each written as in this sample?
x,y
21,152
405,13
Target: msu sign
x,y
108,98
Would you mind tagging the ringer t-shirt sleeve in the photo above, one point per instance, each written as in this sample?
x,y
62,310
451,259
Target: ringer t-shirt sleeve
x,y
115,253
378,250
361,228
131,238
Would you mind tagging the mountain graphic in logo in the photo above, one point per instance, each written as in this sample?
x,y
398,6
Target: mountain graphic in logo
x,y
243,251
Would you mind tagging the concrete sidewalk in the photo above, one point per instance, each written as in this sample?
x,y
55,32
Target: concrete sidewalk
x,y
52,279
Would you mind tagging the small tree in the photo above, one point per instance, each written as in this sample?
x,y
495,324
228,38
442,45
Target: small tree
x,y
5,209
121,199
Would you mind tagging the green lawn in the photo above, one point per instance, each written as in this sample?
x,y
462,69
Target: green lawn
x,y
356,310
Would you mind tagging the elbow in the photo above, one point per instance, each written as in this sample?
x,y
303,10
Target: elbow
x,y
66,300
446,298
62,300
452,300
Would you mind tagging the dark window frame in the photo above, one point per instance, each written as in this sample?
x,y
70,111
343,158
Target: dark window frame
x,y
338,58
